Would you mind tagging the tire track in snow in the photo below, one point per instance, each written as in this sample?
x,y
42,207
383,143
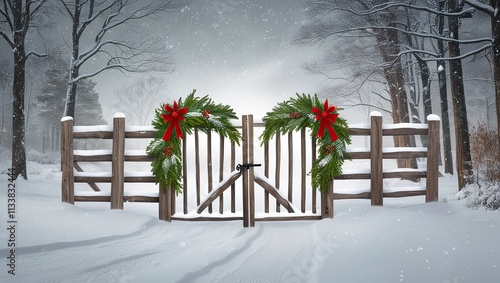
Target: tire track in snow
x,y
114,260
192,276
244,264
279,241
64,245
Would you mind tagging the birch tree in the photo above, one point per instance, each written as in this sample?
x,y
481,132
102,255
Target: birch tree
x,y
97,36
16,18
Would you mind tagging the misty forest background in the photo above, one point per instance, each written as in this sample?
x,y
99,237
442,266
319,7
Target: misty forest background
x,y
406,59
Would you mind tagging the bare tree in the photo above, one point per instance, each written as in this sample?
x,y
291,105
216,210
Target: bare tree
x,y
443,92
139,99
16,18
491,9
379,19
345,19
464,162
103,22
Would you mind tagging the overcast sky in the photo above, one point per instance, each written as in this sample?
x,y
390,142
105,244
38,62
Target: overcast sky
x,y
238,52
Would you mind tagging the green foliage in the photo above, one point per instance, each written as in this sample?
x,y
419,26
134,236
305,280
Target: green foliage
x,y
167,162
291,115
203,114
296,114
49,102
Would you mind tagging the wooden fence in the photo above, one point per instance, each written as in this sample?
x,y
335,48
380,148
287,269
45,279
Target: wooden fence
x,y
229,157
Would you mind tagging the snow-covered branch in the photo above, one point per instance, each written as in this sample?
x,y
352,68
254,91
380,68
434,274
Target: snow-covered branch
x,y
438,58
387,5
482,7
327,32
383,109
141,57
36,54
34,11
8,20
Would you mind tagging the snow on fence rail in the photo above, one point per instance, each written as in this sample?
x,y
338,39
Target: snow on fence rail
x,y
284,195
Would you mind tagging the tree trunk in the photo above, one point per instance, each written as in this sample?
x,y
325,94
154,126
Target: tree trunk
x,y
69,109
426,92
495,33
387,43
18,88
464,164
443,94
74,68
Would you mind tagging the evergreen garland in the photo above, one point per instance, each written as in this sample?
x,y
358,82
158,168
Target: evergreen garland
x,y
172,122
306,111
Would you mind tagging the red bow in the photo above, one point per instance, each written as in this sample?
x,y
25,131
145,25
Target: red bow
x,y
174,116
326,117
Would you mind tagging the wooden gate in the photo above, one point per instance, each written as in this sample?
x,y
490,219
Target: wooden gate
x,y
247,192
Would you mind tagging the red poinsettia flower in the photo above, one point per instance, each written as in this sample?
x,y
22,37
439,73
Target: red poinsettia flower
x,y
173,119
327,117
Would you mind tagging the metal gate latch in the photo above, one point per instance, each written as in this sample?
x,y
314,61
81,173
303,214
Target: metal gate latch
x,y
239,167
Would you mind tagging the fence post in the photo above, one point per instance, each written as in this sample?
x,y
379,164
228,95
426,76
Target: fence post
x,y
244,144
165,203
118,161
251,173
327,202
68,182
376,164
431,193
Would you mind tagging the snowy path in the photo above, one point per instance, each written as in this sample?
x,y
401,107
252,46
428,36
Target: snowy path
x,y
231,258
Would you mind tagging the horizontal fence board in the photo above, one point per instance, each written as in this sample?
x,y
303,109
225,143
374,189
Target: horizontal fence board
x,y
93,198
92,179
401,194
138,158
288,218
140,134
140,179
359,131
93,135
350,176
366,195
404,154
125,199
82,178
93,158
208,218
360,155
109,157
405,132
405,174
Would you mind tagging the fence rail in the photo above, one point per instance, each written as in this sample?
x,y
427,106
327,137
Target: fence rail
x,y
272,185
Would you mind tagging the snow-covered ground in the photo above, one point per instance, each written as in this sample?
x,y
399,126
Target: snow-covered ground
x,y
404,241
